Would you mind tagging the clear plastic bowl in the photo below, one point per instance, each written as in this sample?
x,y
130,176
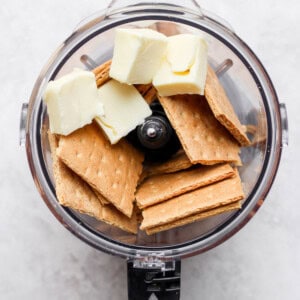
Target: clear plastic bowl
x,y
247,85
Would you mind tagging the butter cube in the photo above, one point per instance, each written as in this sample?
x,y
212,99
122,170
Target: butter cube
x,y
181,51
185,67
137,55
124,109
72,101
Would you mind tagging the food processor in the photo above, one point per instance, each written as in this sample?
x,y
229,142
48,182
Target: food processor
x,y
154,261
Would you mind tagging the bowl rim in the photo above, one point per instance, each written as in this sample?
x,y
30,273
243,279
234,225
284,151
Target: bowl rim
x,y
195,246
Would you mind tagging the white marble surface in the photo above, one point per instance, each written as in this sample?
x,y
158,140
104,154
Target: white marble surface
x,y
39,259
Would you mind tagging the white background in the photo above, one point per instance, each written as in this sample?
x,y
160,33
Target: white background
x,y
39,259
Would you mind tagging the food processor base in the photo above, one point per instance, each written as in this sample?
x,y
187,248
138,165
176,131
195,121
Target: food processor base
x,y
154,283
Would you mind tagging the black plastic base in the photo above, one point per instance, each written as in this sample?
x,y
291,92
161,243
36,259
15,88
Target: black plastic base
x,y
152,284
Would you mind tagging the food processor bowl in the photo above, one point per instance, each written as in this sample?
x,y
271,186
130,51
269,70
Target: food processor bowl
x,y
250,91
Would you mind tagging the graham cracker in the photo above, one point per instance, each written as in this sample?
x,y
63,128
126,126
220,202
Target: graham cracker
x,y
102,200
203,138
102,73
112,170
143,176
148,92
194,218
151,95
167,28
179,161
159,188
139,215
258,132
143,88
73,192
222,108
203,199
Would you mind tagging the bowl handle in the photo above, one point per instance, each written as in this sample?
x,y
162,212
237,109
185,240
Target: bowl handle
x,y
23,120
155,280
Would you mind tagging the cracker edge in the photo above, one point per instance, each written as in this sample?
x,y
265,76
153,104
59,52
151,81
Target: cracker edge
x,y
227,172
230,122
194,218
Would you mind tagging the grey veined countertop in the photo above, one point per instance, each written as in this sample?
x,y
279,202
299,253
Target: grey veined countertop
x,y
42,260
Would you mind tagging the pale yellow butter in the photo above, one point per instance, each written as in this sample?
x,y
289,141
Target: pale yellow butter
x,y
181,51
124,109
137,55
72,101
185,67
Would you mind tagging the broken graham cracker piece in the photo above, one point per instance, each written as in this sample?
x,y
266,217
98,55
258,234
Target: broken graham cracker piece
x,y
73,192
139,215
194,218
203,199
148,92
203,138
102,73
151,95
259,136
222,108
112,170
179,161
159,188
102,200
143,88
